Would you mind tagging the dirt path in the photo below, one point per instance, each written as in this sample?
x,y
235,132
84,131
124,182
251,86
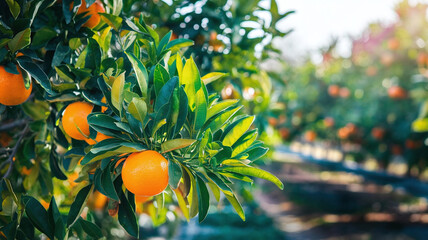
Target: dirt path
x,y
325,205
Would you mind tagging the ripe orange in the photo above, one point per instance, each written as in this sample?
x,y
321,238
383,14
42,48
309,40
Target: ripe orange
x,y
329,122
344,92
93,10
378,133
97,200
272,121
284,133
103,100
5,139
25,170
98,138
75,116
310,136
397,92
141,199
333,90
393,44
12,88
145,173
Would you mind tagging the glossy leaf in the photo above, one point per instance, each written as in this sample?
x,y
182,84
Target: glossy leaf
x,y
127,217
78,204
211,77
203,198
255,172
90,228
174,173
37,215
140,72
236,130
175,144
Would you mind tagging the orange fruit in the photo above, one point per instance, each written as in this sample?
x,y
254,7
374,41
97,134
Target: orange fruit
x,y
25,171
98,138
44,204
93,10
310,136
145,173
329,122
141,199
12,88
397,92
333,90
5,139
284,133
344,92
393,44
71,179
97,200
103,100
272,121
75,118
378,133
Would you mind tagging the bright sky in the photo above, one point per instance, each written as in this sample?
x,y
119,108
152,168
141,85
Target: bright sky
x,y
316,22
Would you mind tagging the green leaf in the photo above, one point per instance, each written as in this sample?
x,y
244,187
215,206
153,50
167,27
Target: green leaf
x,y
78,204
193,195
36,72
43,35
117,92
124,147
127,217
14,8
161,77
138,109
255,172
163,42
90,228
177,44
236,205
93,55
113,21
236,130
175,144
20,40
203,198
140,72
192,82
220,183
107,185
100,121
37,215
222,119
201,108
244,142
165,94
56,219
55,168
213,110
211,77
182,203
174,173
61,52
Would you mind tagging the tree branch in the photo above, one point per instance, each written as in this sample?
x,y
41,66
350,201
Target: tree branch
x,y
15,150
8,126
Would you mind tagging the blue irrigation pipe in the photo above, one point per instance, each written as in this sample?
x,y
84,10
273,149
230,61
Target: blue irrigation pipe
x,y
410,185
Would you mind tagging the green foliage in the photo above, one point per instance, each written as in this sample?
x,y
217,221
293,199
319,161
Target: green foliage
x,y
146,96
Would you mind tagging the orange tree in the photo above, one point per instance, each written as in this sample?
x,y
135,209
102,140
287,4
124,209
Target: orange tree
x,y
370,100
115,112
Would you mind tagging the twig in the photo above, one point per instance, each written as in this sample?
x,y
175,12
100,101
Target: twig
x,y
15,150
18,123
